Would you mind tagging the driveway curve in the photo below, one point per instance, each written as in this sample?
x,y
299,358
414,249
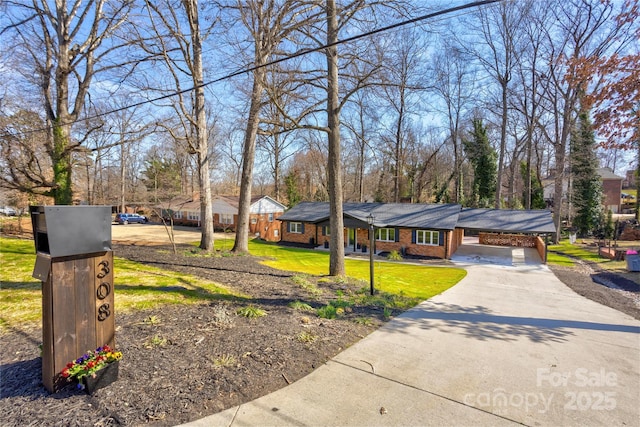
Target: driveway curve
x,y
506,346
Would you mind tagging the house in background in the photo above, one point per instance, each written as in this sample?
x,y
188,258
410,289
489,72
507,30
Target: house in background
x,y
263,222
263,215
184,210
612,189
421,230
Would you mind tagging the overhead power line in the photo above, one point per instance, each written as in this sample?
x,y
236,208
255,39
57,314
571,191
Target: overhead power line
x,y
288,57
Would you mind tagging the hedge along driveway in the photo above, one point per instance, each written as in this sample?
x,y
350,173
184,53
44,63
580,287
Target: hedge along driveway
x,y
411,280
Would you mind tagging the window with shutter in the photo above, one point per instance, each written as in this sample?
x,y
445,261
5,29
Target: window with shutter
x,y
427,237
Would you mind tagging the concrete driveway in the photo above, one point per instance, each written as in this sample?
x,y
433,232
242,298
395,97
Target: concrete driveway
x,y
506,346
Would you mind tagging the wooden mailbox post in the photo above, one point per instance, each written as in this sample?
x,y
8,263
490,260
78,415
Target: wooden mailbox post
x,y
75,264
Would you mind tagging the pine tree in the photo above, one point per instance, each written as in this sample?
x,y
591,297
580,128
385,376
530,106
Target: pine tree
x,y
483,158
291,183
587,185
537,192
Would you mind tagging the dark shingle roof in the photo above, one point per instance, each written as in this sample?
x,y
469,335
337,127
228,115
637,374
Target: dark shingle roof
x,y
417,215
414,215
430,216
503,220
307,212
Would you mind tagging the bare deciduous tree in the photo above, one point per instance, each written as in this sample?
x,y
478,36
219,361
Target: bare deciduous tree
x,y
268,24
66,48
181,52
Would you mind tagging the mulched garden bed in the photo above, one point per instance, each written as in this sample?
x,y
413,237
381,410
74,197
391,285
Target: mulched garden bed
x,y
184,362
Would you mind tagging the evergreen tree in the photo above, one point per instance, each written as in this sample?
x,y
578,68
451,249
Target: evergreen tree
x,y
161,176
483,158
587,185
537,192
291,184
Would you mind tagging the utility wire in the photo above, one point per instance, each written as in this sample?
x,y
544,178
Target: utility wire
x,y
286,58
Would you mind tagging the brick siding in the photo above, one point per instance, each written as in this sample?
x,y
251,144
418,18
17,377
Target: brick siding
x,y
612,189
265,228
411,248
305,238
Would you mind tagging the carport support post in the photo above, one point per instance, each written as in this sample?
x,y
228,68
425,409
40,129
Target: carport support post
x,y
546,247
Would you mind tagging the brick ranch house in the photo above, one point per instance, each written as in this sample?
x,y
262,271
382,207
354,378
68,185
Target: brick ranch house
x,y
263,216
423,230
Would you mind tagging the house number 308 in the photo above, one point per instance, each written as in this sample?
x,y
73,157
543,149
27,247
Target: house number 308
x,y
103,291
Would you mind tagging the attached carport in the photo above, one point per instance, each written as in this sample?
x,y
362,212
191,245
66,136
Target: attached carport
x,y
502,226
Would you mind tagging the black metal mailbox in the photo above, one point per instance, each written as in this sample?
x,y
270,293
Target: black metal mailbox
x,y
60,231
71,230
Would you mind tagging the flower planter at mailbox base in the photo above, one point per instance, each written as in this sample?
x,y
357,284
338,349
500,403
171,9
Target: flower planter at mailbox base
x,y
103,378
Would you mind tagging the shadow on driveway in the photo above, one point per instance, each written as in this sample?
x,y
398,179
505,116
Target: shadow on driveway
x,y
479,323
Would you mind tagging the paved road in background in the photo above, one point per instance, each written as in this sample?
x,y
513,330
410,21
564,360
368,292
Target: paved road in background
x,y
156,234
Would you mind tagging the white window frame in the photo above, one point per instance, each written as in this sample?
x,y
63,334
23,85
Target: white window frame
x,y
327,230
389,234
295,227
426,237
271,217
193,216
276,232
177,215
226,219
254,220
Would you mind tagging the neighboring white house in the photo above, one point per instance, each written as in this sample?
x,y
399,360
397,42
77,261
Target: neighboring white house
x,y
263,215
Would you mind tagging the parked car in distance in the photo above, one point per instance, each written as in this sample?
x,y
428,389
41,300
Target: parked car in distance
x,y
126,218
8,211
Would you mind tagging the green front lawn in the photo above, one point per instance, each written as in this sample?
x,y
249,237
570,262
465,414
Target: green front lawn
x,y
137,286
564,253
140,286
414,281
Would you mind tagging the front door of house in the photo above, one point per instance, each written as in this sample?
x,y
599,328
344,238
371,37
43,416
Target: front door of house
x,y
352,238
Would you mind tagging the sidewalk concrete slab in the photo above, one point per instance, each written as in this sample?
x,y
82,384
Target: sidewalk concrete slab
x,y
505,346
338,395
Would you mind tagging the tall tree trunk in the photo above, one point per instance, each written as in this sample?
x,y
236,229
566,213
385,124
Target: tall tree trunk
x,y
248,156
123,176
61,159
503,145
61,122
202,142
276,167
637,208
560,159
336,251
398,149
